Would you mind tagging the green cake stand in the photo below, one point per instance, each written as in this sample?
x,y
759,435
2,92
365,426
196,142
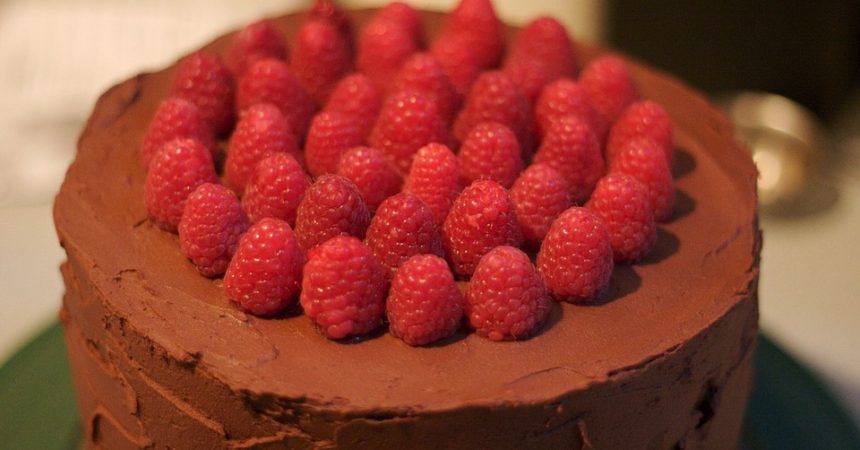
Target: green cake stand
x,y
789,407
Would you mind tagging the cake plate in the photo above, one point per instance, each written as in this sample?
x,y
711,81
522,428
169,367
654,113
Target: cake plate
x,y
789,408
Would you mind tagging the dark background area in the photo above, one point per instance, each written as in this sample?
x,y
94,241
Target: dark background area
x,y
808,51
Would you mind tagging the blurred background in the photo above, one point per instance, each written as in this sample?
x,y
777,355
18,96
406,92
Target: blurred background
x,y
751,57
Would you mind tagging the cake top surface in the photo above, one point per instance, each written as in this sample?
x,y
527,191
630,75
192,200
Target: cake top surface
x,y
705,261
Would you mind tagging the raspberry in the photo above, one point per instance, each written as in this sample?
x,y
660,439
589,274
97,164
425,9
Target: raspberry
x,y
261,131
476,20
642,119
210,228
265,274
176,170
408,121
435,179
540,194
609,86
422,72
357,95
496,98
481,219
332,206
275,189
565,97
331,134
175,118
424,304
272,81
571,148
259,40
321,56
454,53
204,80
490,152
542,52
383,45
644,160
623,204
470,42
404,16
575,259
328,10
506,298
402,227
375,177
343,288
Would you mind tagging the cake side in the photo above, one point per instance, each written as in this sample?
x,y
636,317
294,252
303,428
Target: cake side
x,y
136,306
691,397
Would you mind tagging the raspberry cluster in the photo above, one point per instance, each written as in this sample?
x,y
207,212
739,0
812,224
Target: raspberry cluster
x,y
377,177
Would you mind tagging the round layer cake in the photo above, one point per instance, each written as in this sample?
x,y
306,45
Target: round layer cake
x,y
162,358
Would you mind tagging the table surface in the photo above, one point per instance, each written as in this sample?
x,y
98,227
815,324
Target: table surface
x,y
810,288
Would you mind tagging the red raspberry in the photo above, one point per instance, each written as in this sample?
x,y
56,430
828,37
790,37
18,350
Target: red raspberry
x,y
265,274
330,136
481,219
541,53
204,80
425,304
332,206
540,195
565,97
490,152
275,189
329,10
404,16
571,148
402,227
321,56
375,177
259,40
609,86
422,72
435,179
496,98
476,20
261,131
210,228
175,118
176,170
575,259
506,299
357,95
644,160
623,204
454,53
642,119
272,81
383,45
343,288
408,121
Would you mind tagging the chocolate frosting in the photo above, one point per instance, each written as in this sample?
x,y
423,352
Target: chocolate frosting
x,y
161,357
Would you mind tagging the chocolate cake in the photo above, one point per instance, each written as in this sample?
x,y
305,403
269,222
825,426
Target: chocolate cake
x,y
162,359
